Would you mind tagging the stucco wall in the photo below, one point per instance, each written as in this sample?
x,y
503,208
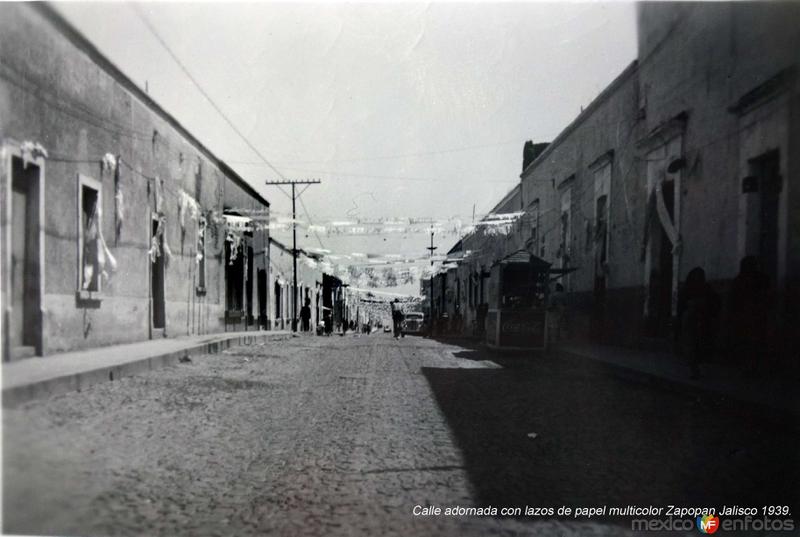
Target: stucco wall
x,y
309,273
701,58
611,124
53,91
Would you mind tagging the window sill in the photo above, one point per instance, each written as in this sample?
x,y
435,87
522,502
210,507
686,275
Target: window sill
x,y
88,299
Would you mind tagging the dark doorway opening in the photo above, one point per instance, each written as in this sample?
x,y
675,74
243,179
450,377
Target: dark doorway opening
x,y
767,169
234,278
249,286
278,299
600,240
24,317
263,320
157,280
660,282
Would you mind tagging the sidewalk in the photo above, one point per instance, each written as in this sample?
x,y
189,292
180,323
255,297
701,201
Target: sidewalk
x,y
781,394
33,378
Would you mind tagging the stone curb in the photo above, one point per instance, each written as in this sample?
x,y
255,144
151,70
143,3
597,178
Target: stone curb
x,y
16,395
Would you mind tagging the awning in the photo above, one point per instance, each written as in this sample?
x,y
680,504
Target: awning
x,y
524,256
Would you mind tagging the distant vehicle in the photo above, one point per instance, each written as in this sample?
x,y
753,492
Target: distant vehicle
x,y
387,328
414,323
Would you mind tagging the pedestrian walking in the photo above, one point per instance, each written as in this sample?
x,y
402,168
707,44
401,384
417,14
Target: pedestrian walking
x,y
698,310
397,319
305,316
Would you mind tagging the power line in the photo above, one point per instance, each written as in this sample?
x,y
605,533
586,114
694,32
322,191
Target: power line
x,y
307,182
203,92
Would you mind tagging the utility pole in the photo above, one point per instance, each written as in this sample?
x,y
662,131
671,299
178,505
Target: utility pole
x,y
431,248
294,184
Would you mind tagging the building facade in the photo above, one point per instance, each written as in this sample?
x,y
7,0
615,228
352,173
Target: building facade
x,y
580,197
721,104
309,286
687,159
118,225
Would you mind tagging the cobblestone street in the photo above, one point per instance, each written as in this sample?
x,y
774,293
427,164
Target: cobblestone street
x,y
345,435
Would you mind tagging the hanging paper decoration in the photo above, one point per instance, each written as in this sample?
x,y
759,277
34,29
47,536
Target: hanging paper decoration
x,y
159,195
97,256
109,162
31,151
155,250
235,241
167,252
157,240
119,201
237,223
235,227
201,238
187,205
106,260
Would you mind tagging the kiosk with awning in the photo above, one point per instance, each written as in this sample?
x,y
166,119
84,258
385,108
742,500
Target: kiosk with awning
x,y
518,290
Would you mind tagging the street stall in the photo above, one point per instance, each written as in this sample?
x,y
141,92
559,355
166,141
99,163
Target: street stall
x,y
517,314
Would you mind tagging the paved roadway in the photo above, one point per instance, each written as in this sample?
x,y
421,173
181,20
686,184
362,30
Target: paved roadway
x,y
345,435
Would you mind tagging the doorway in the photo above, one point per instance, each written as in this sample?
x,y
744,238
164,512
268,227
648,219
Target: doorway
x,y
249,287
767,170
661,272
24,314
263,321
157,280
234,278
277,298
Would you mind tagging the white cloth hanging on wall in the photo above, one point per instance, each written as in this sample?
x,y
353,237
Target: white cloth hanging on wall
x,y
31,151
159,195
663,216
187,205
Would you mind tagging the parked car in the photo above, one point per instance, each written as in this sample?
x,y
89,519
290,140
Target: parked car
x,y
414,323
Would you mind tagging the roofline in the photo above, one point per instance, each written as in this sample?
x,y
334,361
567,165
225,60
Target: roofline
x,y
247,187
458,243
602,97
510,194
288,250
51,14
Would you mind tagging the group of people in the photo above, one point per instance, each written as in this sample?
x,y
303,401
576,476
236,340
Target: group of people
x,y
748,320
305,319
397,320
749,306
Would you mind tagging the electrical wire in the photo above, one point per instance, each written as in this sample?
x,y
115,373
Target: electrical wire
x,y
136,7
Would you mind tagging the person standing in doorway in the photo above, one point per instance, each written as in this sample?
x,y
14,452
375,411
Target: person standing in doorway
x,y
750,308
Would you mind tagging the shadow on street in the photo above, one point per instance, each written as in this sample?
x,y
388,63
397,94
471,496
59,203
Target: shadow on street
x,y
555,430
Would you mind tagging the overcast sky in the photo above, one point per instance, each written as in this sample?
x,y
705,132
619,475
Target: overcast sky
x,y
401,109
